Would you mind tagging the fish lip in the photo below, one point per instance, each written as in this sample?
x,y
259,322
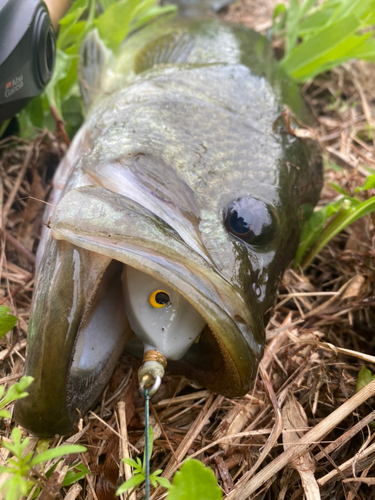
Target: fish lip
x,y
234,335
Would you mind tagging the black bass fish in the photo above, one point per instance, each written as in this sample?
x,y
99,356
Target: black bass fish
x,y
178,207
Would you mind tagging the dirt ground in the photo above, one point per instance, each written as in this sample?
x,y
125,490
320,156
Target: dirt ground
x,y
301,431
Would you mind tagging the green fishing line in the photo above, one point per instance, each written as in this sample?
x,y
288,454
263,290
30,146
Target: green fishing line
x,y
147,442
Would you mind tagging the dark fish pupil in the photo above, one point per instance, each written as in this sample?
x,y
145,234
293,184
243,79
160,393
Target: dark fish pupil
x,y
162,298
241,221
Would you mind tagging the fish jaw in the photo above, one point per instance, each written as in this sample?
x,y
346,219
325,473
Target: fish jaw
x,y
68,280
95,226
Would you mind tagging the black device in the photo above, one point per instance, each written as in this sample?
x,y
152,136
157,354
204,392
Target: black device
x,y
27,53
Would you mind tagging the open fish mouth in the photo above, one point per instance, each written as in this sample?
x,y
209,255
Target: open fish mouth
x,y
83,317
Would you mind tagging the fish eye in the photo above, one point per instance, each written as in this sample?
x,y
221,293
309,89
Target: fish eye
x,y
159,298
250,220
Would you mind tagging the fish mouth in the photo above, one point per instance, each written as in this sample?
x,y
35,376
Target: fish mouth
x,y
79,326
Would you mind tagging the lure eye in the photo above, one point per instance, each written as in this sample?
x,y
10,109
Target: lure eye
x,y
159,299
250,220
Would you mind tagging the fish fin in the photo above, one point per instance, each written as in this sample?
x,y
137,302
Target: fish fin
x,y
94,62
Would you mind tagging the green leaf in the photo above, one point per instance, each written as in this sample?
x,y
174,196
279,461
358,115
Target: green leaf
x,y
16,391
163,481
313,228
361,8
130,462
150,441
143,18
315,22
110,30
57,452
369,184
194,481
130,483
306,6
18,445
292,23
75,474
279,18
308,56
70,20
42,445
338,224
349,48
150,445
339,189
365,376
7,321
16,487
5,414
62,68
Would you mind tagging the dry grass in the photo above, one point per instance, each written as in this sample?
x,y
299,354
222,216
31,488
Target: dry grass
x,y
302,430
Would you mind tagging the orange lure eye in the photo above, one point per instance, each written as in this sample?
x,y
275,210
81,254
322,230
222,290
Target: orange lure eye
x,y
159,298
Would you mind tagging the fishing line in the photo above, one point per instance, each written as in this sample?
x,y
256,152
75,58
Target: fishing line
x,y
147,397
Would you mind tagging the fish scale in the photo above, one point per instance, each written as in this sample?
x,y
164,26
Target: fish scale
x,y
184,179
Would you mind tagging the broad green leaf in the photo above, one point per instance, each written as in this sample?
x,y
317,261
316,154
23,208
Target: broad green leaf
x,y
5,414
163,482
338,224
278,10
130,483
369,184
364,51
279,18
313,228
7,321
365,376
143,6
292,30
306,6
63,63
130,462
106,3
315,22
110,30
75,474
194,481
361,8
69,21
307,54
74,38
57,452
153,12
344,51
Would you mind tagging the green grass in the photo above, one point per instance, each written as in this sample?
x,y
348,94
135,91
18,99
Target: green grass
x,y
330,220
321,35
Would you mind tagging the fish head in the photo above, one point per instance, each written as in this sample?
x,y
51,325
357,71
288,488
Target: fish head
x,y
190,186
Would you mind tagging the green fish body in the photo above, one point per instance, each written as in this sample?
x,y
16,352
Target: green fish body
x,y
184,172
